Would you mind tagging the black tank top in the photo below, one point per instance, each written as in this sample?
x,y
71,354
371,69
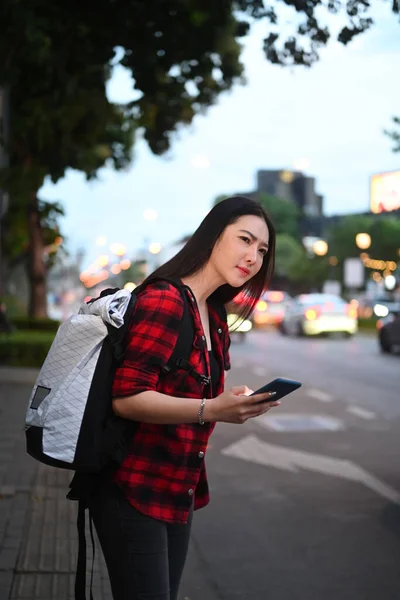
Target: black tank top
x,y
215,371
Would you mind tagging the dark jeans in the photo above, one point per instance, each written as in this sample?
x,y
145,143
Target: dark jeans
x,y
145,557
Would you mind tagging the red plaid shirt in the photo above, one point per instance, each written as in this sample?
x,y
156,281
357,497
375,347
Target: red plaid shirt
x,y
164,470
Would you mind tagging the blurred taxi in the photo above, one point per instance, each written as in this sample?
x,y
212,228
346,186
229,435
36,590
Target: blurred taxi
x,y
270,309
315,314
389,330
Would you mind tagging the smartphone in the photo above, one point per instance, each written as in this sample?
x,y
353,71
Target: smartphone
x,y
281,386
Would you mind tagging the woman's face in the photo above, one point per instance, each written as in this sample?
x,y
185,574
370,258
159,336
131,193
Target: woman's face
x,y
238,254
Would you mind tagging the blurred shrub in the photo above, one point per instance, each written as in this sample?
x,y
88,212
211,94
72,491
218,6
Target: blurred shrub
x,y
14,306
27,323
367,324
24,348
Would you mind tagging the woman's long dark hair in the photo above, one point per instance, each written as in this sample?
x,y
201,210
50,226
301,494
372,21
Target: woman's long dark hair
x,y
197,251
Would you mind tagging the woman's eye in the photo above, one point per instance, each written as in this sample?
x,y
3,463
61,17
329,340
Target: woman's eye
x,y
245,239
263,251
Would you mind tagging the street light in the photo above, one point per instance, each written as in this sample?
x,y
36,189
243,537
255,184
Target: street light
x,y
102,260
155,248
125,264
390,282
320,247
101,240
363,240
130,286
118,249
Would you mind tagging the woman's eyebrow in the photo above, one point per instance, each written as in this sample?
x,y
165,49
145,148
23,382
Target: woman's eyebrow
x,y
253,237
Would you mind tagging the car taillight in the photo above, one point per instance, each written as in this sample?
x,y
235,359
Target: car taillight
x,y
261,305
351,310
379,324
276,297
312,313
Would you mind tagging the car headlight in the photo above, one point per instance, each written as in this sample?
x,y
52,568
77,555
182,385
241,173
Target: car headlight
x,y
381,310
235,324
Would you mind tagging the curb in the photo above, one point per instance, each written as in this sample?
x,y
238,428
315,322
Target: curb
x,y
21,375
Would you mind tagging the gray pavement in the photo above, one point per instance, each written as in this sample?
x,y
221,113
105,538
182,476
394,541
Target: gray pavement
x,y
38,539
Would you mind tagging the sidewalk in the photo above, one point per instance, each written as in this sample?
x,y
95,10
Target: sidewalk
x,y
38,538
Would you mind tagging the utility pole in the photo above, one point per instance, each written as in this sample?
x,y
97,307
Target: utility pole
x,y
4,161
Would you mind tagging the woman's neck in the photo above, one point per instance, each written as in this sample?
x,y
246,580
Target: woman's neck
x,y
203,284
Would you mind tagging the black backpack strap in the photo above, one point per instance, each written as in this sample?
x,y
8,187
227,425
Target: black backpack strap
x,y
184,344
183,347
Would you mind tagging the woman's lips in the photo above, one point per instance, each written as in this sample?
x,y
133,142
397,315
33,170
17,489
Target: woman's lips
x,y
243,271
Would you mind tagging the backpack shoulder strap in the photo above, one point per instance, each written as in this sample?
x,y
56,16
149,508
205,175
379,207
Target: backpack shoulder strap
x,y
184,344
183,348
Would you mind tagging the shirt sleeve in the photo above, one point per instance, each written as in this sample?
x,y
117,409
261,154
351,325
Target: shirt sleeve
x,y
152,336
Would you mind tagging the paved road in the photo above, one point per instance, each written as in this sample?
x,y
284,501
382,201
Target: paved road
x,y
306,500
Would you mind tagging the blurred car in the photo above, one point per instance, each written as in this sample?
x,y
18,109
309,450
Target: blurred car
x,y
236,324
270,309
315,314
389,330
239,326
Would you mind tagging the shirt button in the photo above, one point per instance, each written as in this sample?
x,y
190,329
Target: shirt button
x,y
220,331
201,454
191,492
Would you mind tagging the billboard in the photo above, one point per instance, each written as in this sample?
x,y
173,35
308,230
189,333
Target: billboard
x,y
385,192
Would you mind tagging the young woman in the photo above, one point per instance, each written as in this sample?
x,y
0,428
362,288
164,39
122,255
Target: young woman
x,y
143,513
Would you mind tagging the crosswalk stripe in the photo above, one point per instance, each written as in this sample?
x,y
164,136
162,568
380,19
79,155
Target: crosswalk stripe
x,y
259,371
319,395
363,413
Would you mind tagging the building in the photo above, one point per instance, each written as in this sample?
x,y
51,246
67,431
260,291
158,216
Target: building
x,y
295,187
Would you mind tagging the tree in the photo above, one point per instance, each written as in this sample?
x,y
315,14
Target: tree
x,y
56,59
60,115
394,135
289,252
17,242
384,232
309,272
284,214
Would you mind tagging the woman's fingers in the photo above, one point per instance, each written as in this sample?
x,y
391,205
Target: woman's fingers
x,y
260,409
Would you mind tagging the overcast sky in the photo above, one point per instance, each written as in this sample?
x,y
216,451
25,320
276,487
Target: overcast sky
x,y
329,118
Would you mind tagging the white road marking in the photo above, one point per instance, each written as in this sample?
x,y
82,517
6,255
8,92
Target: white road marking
x,y
259,371
363,413
319,395
238,363
252,449
300,422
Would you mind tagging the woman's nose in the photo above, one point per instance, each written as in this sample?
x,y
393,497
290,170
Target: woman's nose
x,y
251,256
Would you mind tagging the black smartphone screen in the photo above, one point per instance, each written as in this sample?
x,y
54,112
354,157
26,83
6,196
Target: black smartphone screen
x,y
281,386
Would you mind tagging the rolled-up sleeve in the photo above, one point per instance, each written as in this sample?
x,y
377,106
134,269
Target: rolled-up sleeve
x,y
152,336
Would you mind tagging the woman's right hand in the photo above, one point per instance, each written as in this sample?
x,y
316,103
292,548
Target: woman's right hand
x,y
236,405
